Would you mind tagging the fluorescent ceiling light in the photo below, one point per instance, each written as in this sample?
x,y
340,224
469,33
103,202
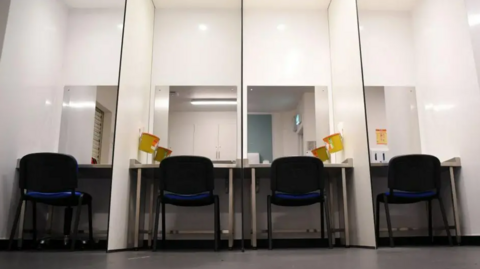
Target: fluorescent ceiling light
x,y
281,27
474,20
219,102
203,27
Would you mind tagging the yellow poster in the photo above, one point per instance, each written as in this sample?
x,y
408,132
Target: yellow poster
x,y
382,137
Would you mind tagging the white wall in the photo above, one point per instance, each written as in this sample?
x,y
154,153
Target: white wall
x,y
473,9
30,89
77,123
132,112
160,119
387,48
284,139
376,114
348,106
448,95
322,114
92,54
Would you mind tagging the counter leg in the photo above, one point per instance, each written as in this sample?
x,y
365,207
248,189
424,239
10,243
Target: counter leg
x,y
150,214
137,208
456,216
345,208
20,225
231,209
254,210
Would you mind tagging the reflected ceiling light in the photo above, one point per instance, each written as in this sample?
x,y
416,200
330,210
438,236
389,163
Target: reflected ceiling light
x,y
474,20
47,102
120,26
203,27
219,102
80,104
281,27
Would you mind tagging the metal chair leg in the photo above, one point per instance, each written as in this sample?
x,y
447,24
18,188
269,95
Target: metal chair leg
x,y
155,228
269,221
322,220
77,221
34,222
15,224
327,218
90,223
445,221
389,223
430,217
216,221
377,222
164,227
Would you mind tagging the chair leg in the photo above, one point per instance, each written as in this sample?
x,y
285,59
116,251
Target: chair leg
x,y
34,222
15,224
322,220
430,225
164,227
445,221
155,228
77,221
389,223
377,222
269,221
90,223
216,220
327,218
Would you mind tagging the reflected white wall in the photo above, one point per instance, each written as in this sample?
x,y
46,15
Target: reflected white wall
x,y
132,112
349,109
473,10
30,89
78,119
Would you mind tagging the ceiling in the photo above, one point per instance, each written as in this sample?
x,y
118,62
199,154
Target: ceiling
x,y
261,99
180,97
268,99
272,4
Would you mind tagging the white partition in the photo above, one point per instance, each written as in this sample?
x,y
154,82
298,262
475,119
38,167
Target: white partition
x,y
350,116
132,112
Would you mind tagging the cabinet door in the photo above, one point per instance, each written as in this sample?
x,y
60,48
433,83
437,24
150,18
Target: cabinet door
x,y
181,139
205,140
227,141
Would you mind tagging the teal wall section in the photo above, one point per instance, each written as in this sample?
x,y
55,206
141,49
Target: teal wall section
x,y
260,136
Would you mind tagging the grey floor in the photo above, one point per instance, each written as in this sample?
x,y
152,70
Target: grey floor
x,y
397,258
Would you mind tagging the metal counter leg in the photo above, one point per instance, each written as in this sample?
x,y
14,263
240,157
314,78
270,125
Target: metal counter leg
x,y
345,208
137,208
231,209
254,210
150,215
456,216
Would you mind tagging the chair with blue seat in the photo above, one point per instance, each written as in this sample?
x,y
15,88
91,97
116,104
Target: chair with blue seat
x,y
298,181
51,179
186,181
412,179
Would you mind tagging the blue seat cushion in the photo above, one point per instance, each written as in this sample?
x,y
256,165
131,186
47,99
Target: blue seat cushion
x,y
298,196
51,195
199,196
404,194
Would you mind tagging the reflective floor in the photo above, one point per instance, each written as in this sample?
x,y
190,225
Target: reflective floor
x,y
397,258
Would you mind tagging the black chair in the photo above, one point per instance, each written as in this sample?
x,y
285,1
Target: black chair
x,y
412,179
186,181
51,178
298,181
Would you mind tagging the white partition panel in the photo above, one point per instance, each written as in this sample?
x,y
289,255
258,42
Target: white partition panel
x,y
30,89
349,116
473,9
132,112
448,95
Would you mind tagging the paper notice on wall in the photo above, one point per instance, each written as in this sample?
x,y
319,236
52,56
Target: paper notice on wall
x,y
381,136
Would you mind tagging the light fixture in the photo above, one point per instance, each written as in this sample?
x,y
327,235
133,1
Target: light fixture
x,y
474,20
219,102
203,27
281,27
47,102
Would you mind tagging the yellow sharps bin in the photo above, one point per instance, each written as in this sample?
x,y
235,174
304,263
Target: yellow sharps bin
x,y
148,143
334,142
321,153
162,153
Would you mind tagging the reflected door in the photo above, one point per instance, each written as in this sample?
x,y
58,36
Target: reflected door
x,y
181,141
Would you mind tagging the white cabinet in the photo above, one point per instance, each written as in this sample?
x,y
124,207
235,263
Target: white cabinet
x,y
215,141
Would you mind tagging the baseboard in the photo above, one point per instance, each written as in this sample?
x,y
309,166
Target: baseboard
x,y
54,245
425,241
